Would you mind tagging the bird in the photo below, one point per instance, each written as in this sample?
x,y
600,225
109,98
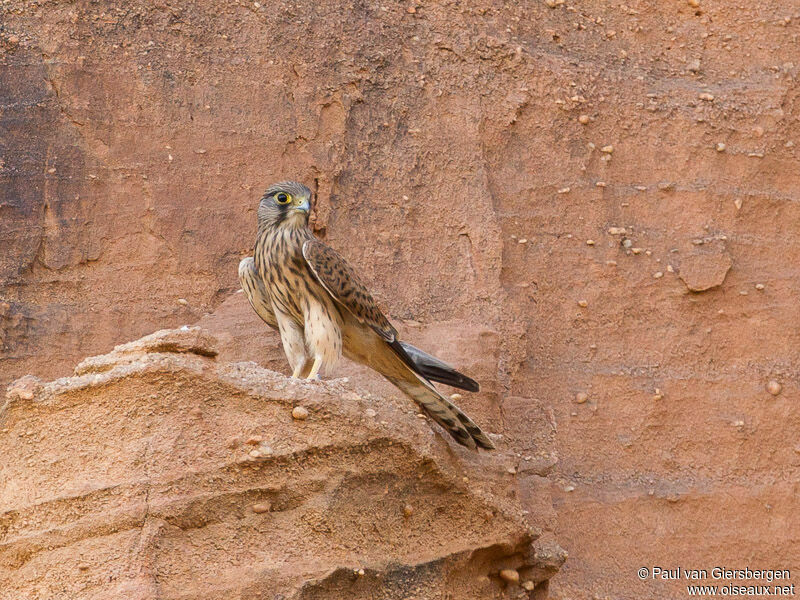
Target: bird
x,y
308,292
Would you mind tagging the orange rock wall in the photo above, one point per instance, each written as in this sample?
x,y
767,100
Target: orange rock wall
x,y
464,154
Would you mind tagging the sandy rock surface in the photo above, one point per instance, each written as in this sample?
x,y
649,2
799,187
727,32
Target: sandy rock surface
x,y
166,474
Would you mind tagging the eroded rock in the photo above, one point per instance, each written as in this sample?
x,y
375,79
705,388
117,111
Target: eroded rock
x,y
701,272
190,340
128,469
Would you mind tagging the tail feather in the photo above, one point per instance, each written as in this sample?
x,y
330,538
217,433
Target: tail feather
x,y
444,412
434,369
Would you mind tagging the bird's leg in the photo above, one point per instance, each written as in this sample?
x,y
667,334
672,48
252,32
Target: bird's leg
x,y
298,370
314,373
293,343
306,368
323,335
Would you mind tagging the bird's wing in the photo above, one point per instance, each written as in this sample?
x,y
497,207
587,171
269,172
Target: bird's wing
x,y
341,282
256,291
394,362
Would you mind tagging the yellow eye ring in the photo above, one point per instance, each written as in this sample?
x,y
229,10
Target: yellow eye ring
x,y
282,198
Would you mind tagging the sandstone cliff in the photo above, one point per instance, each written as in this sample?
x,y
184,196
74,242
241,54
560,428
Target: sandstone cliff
x,y
159,472
592,207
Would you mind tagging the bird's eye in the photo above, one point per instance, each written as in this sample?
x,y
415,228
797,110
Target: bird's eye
x,y
282,198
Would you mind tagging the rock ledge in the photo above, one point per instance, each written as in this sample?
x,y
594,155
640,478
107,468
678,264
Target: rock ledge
x,y
156,472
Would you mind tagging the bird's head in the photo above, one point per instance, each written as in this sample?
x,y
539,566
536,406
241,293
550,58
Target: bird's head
x,y
287,203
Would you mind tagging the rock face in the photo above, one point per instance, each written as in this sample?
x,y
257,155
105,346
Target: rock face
x,y
157,472
464,155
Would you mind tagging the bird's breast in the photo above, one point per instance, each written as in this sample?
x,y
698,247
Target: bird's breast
x,y
280,261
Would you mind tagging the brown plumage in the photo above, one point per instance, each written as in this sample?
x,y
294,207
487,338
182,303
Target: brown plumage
x,y
311,295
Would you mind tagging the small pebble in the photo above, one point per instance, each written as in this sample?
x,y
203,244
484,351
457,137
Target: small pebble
x,y
658,395
300,413
509,575
759,286
774,388
600,184
721,147
255,454
564,190
370,413
523,241
528,585
360,572
607,149
408,510
706,97
569,488
616,230
658,275
183,301
455,397
261,507
694,3
738,423
265,450
590,242
581,397
583,119
670,269
583,303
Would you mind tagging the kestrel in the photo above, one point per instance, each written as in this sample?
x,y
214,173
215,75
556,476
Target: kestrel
x,y
309,293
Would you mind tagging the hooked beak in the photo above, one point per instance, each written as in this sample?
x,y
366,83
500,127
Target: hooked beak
x,y
303,206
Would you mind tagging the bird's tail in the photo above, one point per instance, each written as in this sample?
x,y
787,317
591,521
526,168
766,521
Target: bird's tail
x,y
441,410
434,369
